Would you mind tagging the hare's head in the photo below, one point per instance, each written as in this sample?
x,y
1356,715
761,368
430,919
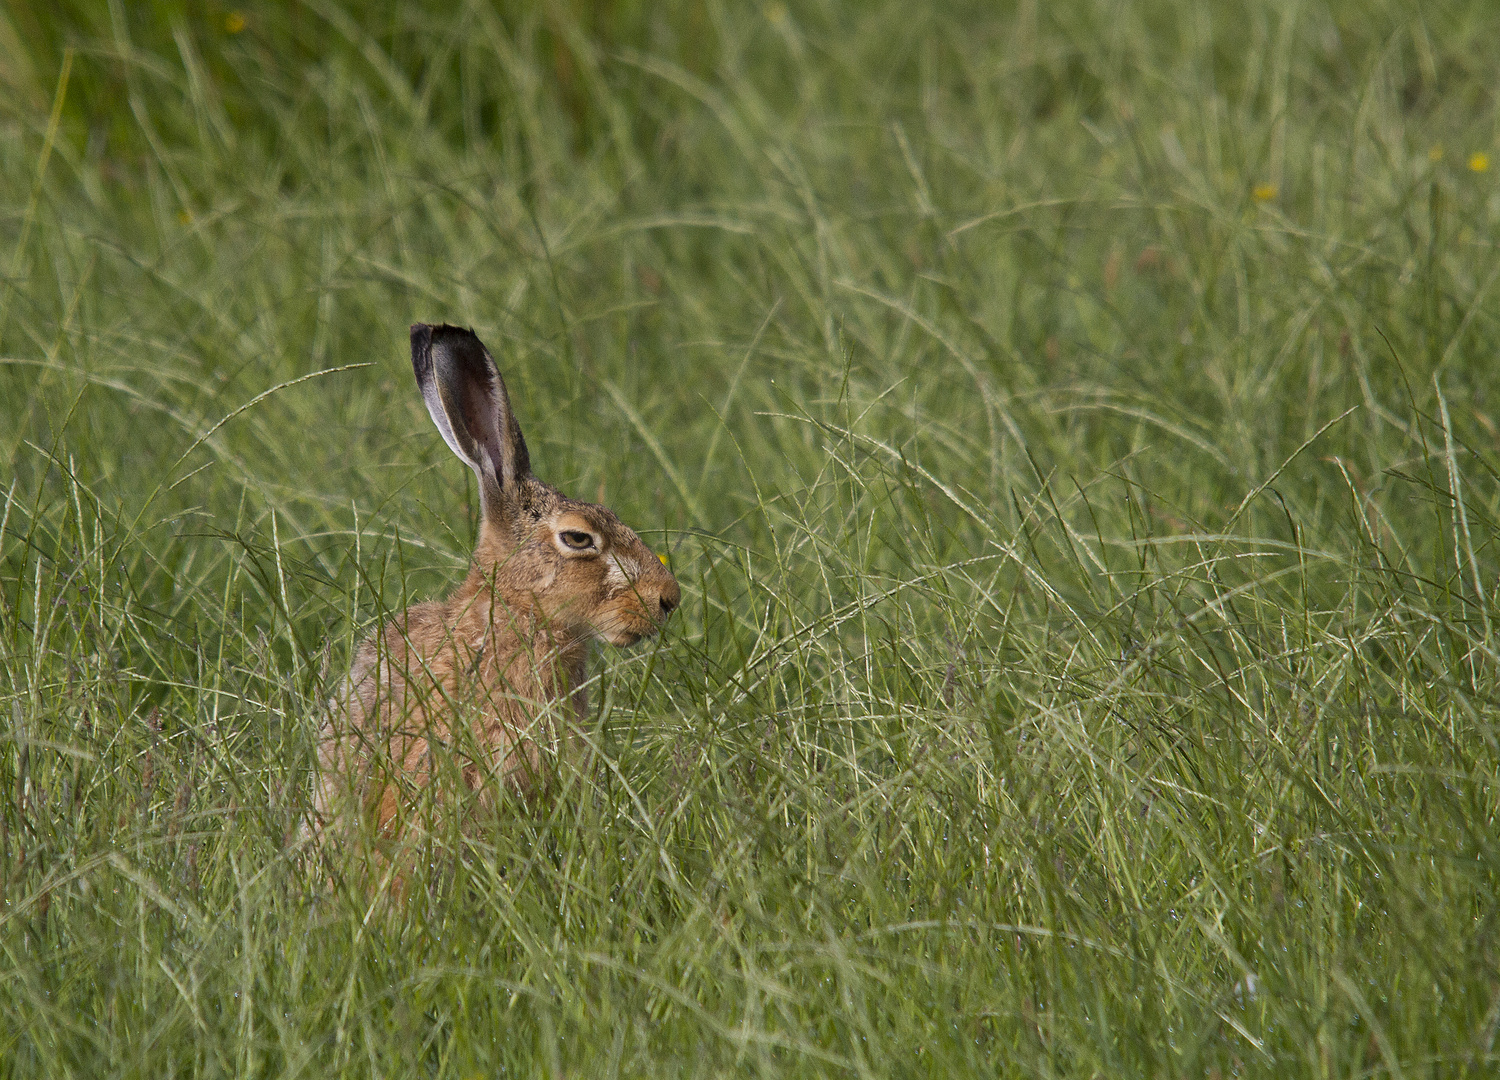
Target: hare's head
x,y
574,564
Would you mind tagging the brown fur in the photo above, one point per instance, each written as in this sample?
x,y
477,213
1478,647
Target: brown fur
x,y
479,688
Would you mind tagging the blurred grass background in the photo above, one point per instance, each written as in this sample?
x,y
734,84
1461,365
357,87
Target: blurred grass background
x,y
1069,423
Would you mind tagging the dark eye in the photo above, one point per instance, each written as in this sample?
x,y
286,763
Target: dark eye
x,y
576,539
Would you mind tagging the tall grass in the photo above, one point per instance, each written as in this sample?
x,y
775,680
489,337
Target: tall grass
x,y
1070,426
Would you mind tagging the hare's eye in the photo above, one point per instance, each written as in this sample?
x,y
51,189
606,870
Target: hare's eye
x,y
576,539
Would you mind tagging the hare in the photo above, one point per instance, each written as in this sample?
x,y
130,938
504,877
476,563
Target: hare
x,y
472,690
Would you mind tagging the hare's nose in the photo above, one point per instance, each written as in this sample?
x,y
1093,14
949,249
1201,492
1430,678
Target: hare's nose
x,y
669,597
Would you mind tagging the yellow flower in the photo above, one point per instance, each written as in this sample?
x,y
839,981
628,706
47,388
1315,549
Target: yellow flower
x,y
234,22
1263,192
184,217
1479,162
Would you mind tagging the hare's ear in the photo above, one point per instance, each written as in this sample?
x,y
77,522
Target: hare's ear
x,y
466,397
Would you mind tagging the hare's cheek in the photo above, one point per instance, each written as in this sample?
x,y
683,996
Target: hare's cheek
x,y
541,575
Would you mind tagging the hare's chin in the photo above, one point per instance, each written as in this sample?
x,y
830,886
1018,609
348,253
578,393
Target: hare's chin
x,y
624,632
622,637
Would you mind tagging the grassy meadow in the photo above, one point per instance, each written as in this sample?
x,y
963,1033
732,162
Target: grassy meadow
x,y
1075,428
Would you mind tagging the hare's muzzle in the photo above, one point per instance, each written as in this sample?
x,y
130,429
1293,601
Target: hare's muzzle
x,y
658,593
642,611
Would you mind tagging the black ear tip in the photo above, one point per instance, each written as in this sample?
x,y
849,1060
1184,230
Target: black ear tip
x,y
452,346
448,333
427,332
457,343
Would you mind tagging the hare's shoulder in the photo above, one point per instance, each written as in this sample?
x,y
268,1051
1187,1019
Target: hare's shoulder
x,y
422,632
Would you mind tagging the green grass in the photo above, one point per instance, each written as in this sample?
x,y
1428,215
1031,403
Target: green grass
x,y
1070,425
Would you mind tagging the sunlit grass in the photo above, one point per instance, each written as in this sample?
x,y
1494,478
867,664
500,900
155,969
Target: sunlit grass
x,y
1070,429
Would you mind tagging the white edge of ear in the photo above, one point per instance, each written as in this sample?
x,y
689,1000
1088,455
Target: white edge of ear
x,y
444,425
